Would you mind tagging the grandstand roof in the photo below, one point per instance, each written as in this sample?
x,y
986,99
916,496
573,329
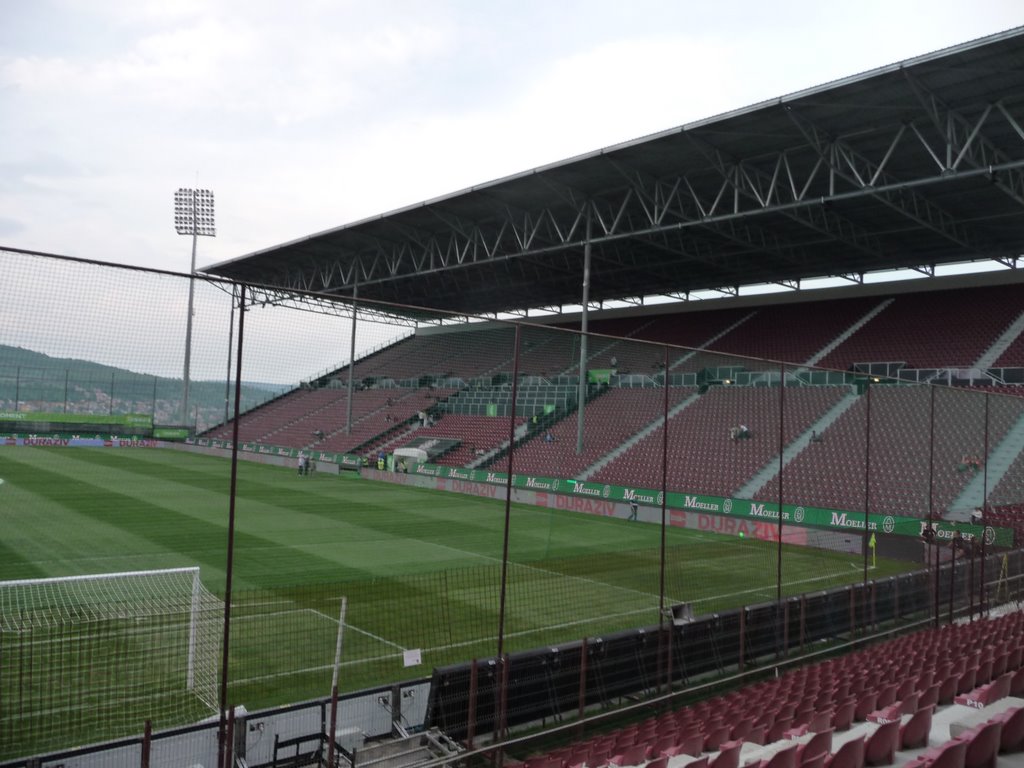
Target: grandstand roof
x,y
913,165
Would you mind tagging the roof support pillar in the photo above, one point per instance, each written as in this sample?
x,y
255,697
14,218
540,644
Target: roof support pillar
x,y
582,396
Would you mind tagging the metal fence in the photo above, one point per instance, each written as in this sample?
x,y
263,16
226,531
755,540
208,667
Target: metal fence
x,y
583,485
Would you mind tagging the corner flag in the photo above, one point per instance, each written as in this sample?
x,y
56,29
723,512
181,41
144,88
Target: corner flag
x,y
872,543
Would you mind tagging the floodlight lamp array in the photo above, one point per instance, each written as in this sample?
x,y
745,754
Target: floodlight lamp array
x,y
193,212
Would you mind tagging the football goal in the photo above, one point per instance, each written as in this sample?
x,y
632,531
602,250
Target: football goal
x,y
87,658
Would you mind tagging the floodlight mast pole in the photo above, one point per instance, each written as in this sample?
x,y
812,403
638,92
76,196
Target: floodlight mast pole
x,y
193,215
188,325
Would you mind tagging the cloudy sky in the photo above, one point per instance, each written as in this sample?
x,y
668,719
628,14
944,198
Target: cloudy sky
x,y
309,114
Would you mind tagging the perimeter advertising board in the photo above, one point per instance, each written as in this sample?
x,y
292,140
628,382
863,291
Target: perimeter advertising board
x,y
594,497
343,460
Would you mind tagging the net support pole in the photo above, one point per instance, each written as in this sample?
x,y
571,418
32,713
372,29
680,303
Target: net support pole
x,y
785,628
334,725
147,740
952,580
227,379
229,752
741,662
351,363
503,707
867,481
664,521
931,468
803,622
582,687
584,321
229,570
502,607
970,586
782,447
508,497
471,705
982,602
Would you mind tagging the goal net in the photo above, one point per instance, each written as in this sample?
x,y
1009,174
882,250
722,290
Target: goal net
x,y
87,658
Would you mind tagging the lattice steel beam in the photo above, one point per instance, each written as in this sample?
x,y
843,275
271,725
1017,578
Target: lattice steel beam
x,y
965,142
846,164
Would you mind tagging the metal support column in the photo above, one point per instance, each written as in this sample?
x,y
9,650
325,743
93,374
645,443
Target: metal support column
x,y
582,395
351,363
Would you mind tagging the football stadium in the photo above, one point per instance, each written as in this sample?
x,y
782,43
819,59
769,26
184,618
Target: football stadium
x,y
519,513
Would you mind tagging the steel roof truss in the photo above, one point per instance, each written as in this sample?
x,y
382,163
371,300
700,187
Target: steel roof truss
x,y
676,295
262,296
967,139
818,219
633,301
969,142
853,277
1010,119
491,249
906,200
818,164
713,210
524,234
751,185
609,221
695,198
776,170
655,202
888,154
461,251
657,199
667,199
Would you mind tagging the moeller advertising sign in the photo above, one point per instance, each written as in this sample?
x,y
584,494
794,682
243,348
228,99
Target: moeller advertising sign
x,y
763,514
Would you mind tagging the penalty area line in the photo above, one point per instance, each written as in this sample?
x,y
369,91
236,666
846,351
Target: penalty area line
x,y
322,615
354,628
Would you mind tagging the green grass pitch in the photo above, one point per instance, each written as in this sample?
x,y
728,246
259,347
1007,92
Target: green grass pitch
x,y
421,569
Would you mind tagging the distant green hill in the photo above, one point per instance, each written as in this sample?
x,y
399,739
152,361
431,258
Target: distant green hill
x,y
31,380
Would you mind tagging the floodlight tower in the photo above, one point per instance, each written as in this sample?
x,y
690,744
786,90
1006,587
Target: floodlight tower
x,y
193,215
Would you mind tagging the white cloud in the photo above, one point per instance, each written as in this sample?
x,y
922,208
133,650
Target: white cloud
x,y
308,115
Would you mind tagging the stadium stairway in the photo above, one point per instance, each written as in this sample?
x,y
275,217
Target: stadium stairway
x,y
682,360
771,469
622,347
626,446
1000,345
840,338
606,347
527,435
522,432
999,461
827,349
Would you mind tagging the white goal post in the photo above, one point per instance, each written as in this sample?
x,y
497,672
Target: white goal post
x,y
105,652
